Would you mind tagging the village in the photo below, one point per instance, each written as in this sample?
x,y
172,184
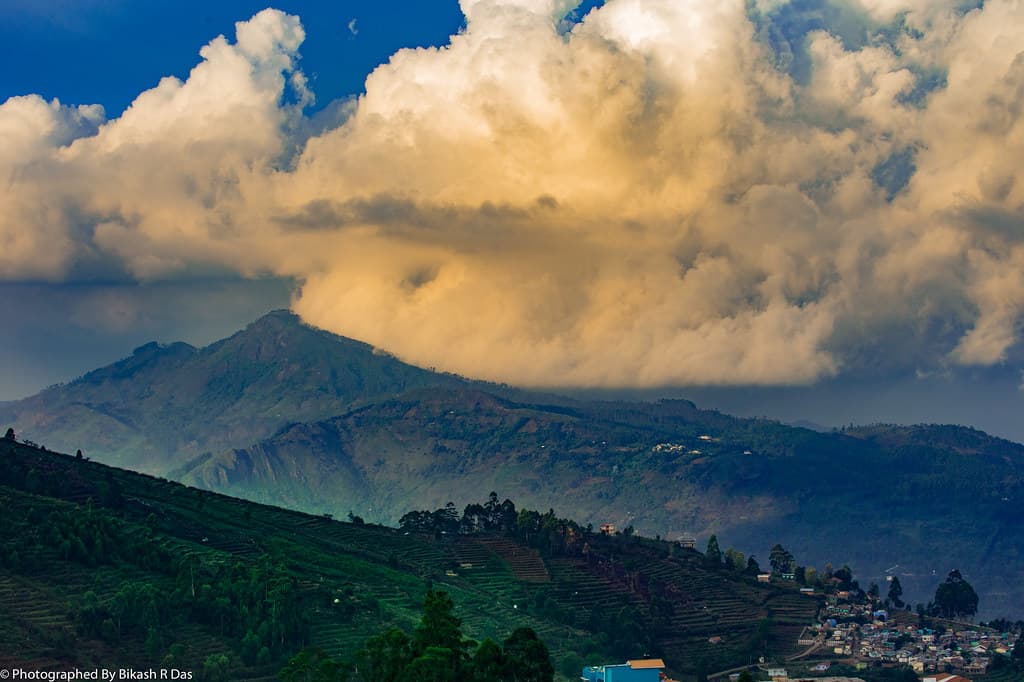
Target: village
x,y
960,649
853,639
863,636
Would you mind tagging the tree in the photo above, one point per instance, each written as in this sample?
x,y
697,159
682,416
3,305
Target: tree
x,y
752,566
433,665
310,665
845,576
713,554
810,575
873,592
383,657
780,559
896,592
1018,652
216,668
438,629
446,519
571,665
956,597
526,658
488,662
10,434
735,560
745,676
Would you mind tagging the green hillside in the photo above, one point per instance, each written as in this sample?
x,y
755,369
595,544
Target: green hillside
x,y
873,498
103,566
284,414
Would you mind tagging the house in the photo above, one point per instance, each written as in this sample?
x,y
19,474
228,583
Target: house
x,y
779,674
688,542
764,577
944,677
642,670
789,575
608,528
807,590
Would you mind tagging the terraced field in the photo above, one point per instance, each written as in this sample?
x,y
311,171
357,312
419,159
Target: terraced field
x,y
361,579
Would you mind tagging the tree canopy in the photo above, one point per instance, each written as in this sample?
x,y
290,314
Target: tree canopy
x,y
955,597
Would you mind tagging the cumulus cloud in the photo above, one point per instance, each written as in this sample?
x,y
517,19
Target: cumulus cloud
x,y
666,192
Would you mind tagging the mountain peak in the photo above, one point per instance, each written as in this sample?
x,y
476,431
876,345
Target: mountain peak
x,y
175,402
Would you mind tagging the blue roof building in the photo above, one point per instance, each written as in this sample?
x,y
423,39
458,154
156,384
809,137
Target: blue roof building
x,y
644,670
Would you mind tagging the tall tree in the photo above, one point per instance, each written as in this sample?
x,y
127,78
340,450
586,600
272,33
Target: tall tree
x,y
735,559
526,658
896,592
956,597
713,553
780,559
874,592
383,657
439,626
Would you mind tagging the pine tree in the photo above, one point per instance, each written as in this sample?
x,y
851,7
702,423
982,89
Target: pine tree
x,y
713,554
896,592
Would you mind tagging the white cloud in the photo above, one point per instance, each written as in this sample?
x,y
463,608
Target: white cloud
x,y
646,199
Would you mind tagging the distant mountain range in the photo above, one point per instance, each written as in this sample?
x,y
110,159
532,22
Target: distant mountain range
x,y
286,414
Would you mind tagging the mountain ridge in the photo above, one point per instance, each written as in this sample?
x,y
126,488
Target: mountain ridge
x,y
283,413
176,402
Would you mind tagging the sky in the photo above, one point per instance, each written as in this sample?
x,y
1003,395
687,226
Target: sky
x,y
758,197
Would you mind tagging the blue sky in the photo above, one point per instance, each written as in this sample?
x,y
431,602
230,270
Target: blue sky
x,y
107,51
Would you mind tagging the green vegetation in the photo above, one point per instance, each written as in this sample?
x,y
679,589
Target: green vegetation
x,y
101,565
284,414
955,598
436,652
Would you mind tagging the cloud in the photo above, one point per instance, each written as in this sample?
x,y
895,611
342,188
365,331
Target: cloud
x,y
352,28
665,192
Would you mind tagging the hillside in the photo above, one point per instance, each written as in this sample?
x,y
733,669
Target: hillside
x,y
874,498
284,414
166,404
106,567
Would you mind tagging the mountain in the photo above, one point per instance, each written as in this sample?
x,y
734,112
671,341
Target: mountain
x,y
167,404
920,499
285,414
102,567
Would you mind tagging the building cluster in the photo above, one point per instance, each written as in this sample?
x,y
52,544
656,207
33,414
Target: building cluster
x,y
926,651
873,638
